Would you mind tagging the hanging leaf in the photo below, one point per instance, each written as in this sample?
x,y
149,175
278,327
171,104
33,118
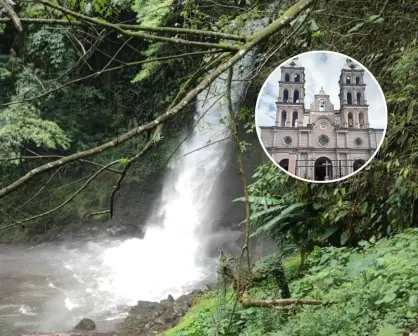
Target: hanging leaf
x,y
328,233
412,301
313,26
356,27
410,111
372,18
344,237
389,297
389,331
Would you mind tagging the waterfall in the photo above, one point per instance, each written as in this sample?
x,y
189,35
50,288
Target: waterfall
x,y
171,258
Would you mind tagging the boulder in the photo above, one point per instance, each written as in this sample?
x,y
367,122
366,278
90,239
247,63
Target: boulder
x,y
71,333
153,318
86,324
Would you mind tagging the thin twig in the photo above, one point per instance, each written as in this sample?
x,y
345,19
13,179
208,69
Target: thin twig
x,y
66,201
133,27
153,141
210,144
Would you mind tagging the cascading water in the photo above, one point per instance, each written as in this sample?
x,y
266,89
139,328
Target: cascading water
x,y
170,257
50,287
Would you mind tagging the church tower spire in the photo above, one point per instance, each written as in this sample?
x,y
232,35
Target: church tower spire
x,y
290,104
353,104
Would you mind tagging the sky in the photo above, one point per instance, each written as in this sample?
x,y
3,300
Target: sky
x,y
321,69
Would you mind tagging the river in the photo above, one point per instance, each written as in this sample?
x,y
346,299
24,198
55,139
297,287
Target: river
x,y
50,287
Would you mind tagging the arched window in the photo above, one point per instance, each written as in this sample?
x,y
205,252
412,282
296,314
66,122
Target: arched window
x,y
297,78
285,96
295,119
361,119
350,120
349,98
287,77
358,98
357,80
321,105
296,96
284,115
348,80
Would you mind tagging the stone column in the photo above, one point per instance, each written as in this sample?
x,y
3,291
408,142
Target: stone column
x,y
289,118
366,120
292,163
345,117
349,163
312,162
277,121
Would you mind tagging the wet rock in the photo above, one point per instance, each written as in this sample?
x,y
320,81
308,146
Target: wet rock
x,y
152,318
71,333
85,324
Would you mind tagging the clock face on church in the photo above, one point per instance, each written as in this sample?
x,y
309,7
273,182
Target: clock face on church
x,y
324,128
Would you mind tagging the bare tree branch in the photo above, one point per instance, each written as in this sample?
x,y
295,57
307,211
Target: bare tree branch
x,y
8,7
209,144
97,213
66,201
234,129
57,157
133,27
153,141
247,302
254,40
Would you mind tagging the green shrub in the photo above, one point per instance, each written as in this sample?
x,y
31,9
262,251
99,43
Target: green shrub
x,y
371,290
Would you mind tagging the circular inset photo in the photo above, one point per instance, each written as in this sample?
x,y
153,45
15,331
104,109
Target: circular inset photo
x,y
321,116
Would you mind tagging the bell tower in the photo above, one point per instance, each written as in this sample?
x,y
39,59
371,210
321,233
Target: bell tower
x,y
290,103
354,108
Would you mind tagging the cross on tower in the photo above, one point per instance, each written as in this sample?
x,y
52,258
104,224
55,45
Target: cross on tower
x,y
326,164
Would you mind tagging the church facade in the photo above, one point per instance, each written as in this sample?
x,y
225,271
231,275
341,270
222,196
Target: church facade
x,y
321,143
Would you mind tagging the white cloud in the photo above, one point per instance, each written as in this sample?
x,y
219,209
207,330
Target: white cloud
x,y
321,70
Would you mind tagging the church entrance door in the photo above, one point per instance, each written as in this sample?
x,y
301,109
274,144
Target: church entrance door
x,y
323,169
358,164
284,164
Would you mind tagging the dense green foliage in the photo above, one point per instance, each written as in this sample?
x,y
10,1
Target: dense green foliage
x,y
66,89
371,290
51,116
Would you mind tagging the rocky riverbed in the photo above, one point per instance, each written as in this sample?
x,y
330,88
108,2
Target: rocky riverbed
x,y
146,318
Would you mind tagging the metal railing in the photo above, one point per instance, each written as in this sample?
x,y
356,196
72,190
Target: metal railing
x,y
322,170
